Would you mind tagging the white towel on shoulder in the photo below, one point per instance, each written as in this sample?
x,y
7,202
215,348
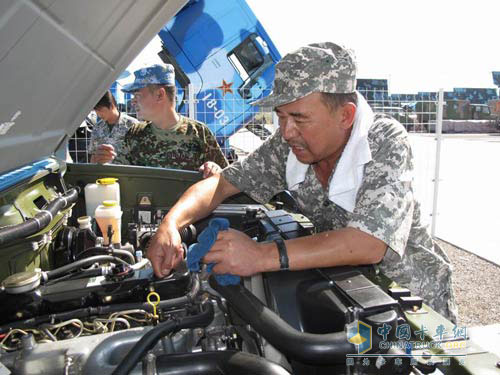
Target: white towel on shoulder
x,y
348,175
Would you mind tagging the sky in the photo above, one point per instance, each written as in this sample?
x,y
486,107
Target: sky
x,y
417,45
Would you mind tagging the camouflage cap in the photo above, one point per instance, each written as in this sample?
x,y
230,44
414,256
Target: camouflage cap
x,y
152,75
319,67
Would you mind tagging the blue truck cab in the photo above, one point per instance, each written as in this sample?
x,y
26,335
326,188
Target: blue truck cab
x,y
222,53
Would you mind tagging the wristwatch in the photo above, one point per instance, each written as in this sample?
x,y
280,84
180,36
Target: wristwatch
x,y
282,254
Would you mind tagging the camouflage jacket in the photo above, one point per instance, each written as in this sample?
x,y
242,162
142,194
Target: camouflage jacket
x,y
385,207
186,146
103,133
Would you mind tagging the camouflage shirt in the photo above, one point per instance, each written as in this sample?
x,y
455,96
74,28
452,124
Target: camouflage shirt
x,y
385,208
187,146
104,133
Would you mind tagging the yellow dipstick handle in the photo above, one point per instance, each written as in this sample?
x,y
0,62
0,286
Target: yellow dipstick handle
x,y
154,303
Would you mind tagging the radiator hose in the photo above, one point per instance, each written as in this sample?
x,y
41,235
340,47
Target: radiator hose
x,y
150,339
41,220
320,349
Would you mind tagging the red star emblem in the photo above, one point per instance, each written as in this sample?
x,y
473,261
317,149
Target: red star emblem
x,y
226,87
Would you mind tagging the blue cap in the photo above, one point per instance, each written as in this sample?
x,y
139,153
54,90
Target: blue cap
x,y
152,75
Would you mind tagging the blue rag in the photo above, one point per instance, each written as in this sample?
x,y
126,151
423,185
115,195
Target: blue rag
x,y
206,239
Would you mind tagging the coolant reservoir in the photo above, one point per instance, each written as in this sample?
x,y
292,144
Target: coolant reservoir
x,y
106,214
104,189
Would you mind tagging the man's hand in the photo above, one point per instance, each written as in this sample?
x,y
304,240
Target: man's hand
x,y
209,168
236,253
165,250
103,154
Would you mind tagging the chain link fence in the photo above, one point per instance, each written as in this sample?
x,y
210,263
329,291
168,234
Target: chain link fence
x,y
240,128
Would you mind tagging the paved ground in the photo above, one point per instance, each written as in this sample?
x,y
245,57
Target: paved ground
x,y
469,190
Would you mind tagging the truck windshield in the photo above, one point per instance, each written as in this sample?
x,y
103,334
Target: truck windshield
x,y
246,58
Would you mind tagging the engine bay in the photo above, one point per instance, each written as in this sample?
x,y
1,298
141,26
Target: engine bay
x,y
72,305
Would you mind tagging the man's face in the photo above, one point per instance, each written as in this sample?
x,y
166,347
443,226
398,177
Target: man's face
x,y
314,132
104,113
145,104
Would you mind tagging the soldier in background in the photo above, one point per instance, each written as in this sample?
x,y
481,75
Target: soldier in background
x,y
107,136
168,139
351,173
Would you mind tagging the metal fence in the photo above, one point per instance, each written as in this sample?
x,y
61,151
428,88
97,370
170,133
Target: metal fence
x,y
248,128
419,115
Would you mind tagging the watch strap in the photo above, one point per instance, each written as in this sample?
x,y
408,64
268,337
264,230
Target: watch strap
x,y
283,255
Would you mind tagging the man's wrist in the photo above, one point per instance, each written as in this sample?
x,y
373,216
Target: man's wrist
x,y
165,228
269,259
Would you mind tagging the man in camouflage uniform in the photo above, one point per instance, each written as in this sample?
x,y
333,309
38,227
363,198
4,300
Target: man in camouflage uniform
x,y
350,171
168,140
107,135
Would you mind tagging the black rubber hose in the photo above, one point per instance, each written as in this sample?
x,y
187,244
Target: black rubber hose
x,y
151,337
82,263
39,221
329,348
219,362
77,275
107,250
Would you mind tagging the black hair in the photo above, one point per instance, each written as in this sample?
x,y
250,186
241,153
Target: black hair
x,y
334,101
107,101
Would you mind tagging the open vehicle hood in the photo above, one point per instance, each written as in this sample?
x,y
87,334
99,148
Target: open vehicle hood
x,y
57,57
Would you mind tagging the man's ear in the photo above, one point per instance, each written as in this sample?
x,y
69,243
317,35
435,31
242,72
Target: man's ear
x,y
348,111
161,94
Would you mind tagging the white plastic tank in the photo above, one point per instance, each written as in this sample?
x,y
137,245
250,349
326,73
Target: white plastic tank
x,y
104,189
106,214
